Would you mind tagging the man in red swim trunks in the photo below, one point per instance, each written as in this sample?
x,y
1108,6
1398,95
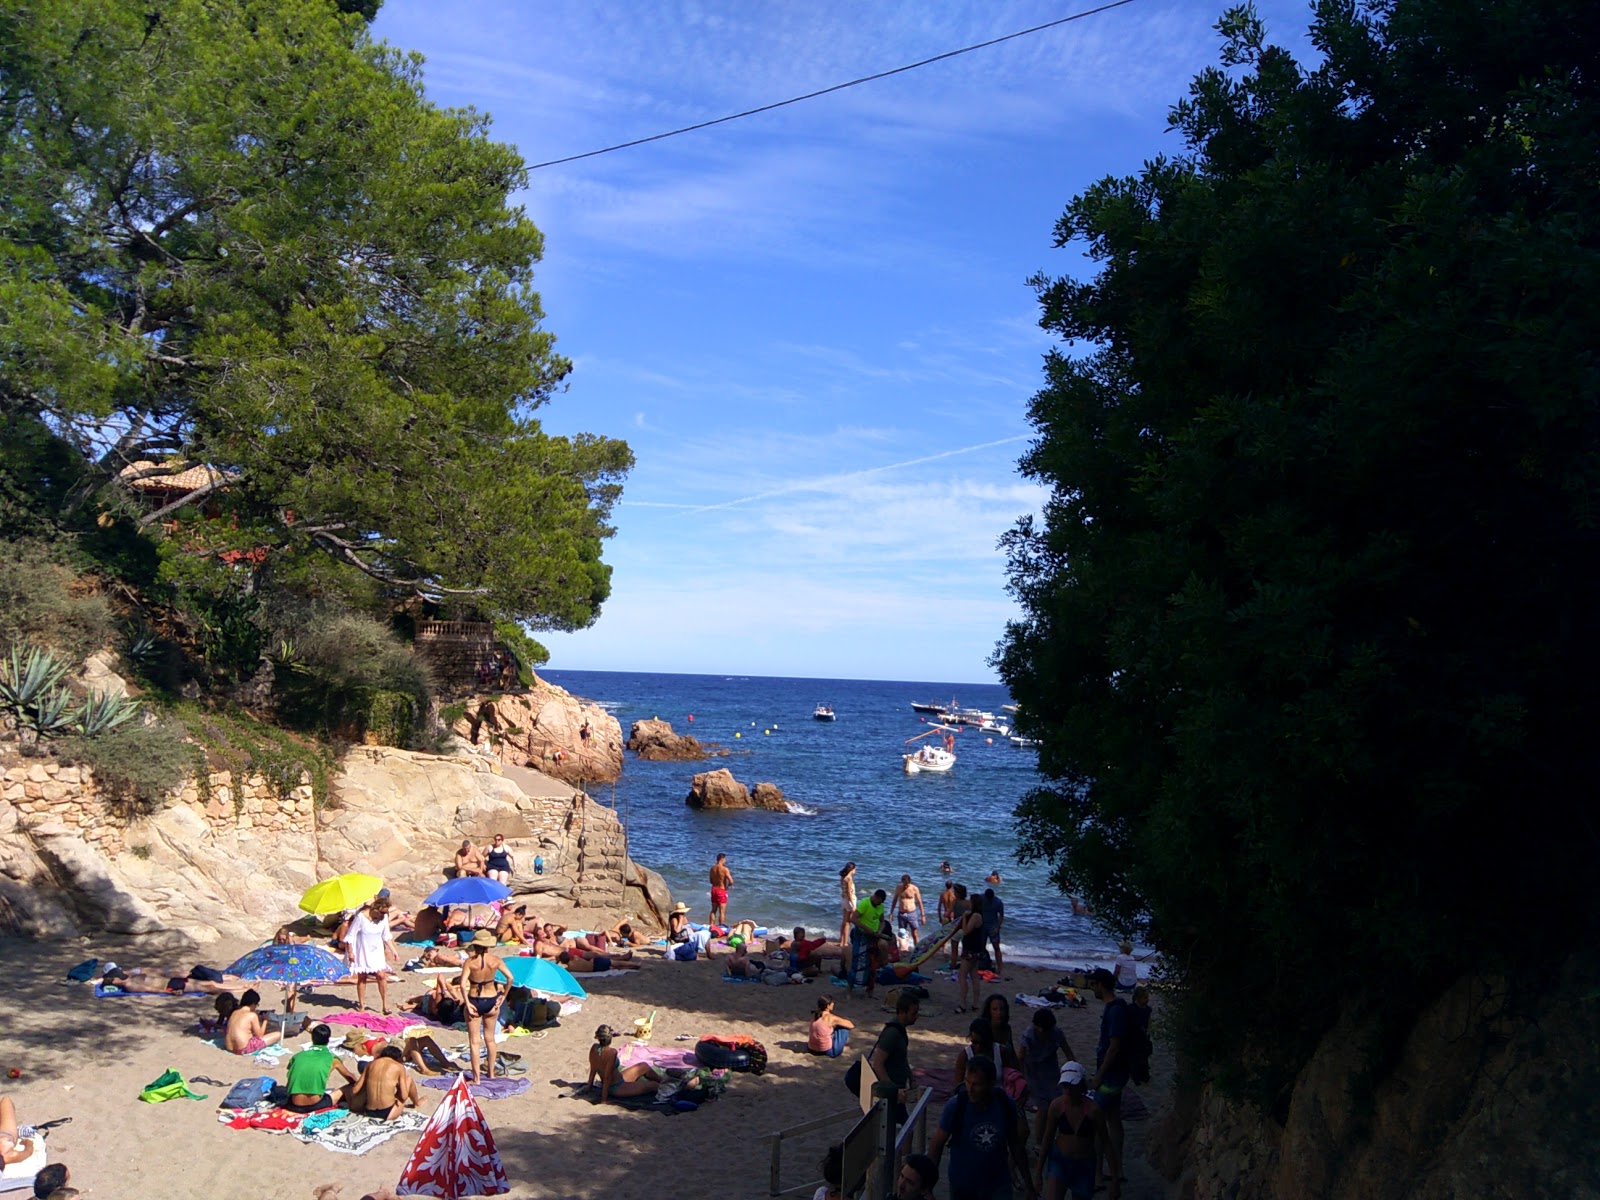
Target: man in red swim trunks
x,y
721,881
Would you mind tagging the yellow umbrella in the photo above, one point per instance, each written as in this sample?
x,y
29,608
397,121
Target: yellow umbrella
x,y
344,891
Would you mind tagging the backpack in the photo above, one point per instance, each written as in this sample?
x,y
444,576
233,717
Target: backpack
x,y
1137,1046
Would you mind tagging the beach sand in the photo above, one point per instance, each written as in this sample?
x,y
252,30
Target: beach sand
x,y
88,1059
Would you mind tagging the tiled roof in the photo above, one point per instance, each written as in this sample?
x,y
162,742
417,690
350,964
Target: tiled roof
x,y
184,481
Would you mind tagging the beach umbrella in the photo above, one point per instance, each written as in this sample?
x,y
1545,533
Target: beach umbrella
x,y
455,1156
290,966
342,892
542,975
467,889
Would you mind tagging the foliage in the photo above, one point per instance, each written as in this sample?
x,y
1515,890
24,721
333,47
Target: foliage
x,y
28,679
235,741
1309,613
101,712
45,603
529,652
347,674
237,235
390,718
139,764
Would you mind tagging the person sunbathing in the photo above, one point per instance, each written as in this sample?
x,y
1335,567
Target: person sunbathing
x,y
247,1032
510,928
14,1148
441,956
441,1003
385,1088
415,1047
740,965
626,935
605,1068
139,982
429,923
585,964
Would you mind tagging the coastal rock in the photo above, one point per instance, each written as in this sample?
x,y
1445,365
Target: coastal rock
x,y
655,740
719,789
543,728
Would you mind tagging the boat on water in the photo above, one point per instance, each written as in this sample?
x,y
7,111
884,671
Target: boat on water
x,y
932,706
929,757
1023,743
824,712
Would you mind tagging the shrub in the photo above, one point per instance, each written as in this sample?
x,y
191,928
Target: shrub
x,y
43,602
348,672
140,765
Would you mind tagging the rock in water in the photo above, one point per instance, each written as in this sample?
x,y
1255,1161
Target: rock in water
x,y
719,789
769,796
655,740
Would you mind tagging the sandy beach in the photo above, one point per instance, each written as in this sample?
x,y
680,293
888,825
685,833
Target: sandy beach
x,y
87,1059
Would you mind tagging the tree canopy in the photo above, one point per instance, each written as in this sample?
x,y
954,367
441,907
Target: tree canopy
x,y
237,236
1307,626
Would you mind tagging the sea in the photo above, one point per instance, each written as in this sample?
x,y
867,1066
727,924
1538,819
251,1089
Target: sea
x,y
849,797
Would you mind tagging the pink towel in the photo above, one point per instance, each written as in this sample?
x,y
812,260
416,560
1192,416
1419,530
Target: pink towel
x,y
656,1056
387,1026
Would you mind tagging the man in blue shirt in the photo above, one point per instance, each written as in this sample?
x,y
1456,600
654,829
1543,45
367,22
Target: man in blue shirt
x,y
979,1124
1111,1070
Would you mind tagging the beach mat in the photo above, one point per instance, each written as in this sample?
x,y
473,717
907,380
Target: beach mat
x,y
105,993
487,1089
350,1134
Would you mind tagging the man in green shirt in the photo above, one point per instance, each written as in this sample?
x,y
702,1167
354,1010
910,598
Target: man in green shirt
x,y
866,933
309,1071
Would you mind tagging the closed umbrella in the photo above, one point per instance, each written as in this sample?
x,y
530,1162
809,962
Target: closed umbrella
x,y
341,892
542,975
456,1155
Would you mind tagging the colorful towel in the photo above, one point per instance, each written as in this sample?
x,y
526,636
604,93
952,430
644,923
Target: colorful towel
x,y
349,1134
102,992
265,1117
488,1089
657,1056
388,1026
741,979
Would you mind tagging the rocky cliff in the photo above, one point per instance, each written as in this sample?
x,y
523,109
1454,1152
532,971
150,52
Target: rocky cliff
x,y
546,728
719,789
232,858
1493,1092
656,740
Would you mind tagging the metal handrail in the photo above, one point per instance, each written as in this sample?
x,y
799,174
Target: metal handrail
x,y
776,1140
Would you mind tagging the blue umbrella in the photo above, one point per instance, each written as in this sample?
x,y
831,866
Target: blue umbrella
x,y
289,964
468,889
542,975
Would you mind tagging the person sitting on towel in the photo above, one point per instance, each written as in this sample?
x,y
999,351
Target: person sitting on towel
x,y
594,962
385,1088
309,1071
740,965
606,1069
247,1032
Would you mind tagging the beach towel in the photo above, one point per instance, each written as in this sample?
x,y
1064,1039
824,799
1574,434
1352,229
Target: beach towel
x,y
455,1156
741,979
388,1026
488,1089
169,1085
19,1175
657,1056
266,1117
346,1133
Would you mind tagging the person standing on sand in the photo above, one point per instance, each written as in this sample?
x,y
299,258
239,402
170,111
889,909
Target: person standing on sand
x,y
847,905
970,938
721,881
909,913
994,916
890,1060
1111,1071
980,1126
958,910
369,949
865,935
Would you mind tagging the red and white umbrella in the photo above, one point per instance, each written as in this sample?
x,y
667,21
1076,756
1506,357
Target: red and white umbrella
x,y
455,1156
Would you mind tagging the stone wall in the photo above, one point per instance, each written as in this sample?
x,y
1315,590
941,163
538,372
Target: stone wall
x,y
453,652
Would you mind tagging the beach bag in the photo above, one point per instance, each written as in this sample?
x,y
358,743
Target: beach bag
x,y
248,1091
852,1078
84,971
169,1085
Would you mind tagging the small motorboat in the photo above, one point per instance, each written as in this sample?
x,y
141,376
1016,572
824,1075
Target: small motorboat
x,y
928,756
824,712
1022,743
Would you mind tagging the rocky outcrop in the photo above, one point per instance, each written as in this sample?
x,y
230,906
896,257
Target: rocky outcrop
x,y
1483,1098
546,728
232,859
655,739
719,789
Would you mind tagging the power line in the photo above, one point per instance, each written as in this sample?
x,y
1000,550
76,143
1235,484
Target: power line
x,y
838,87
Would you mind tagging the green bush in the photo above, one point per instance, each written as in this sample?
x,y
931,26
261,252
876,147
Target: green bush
x,y
348,674
44,603
390,717
140,765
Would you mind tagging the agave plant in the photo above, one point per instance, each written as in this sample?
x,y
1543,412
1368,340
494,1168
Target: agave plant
x,y
104,711
49,714
26,679
142,649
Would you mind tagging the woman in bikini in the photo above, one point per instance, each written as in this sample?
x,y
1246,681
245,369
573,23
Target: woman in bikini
x,y
847,903
481,984
14,1148
1067,1155
972,945
616,1080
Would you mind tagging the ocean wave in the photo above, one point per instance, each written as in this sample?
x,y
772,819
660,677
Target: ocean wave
x,y
800,809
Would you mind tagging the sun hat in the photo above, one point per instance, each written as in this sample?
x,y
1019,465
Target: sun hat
x,y
680,907
484,938
1072,1073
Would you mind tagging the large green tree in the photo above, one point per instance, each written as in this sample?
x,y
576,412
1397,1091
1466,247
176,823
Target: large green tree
x,y
236,234
1308,632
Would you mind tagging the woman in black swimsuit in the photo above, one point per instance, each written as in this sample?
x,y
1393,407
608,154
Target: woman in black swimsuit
x,y
1067,1153
485,992
972,944
499,863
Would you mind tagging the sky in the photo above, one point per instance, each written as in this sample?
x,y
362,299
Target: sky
x,y
813,326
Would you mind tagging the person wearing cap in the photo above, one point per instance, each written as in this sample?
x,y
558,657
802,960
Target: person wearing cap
x,y
485,991
1111,1070
605,1068
1067,1150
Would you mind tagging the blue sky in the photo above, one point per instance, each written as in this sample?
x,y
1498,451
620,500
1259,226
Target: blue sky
x,y
812,325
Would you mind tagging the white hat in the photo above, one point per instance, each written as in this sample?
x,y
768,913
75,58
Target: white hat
x,y
1072,1073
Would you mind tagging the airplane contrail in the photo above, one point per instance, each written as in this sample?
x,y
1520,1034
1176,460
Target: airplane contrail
x,y
826,480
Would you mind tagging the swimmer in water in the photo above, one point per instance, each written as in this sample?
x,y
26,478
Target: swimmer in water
x,y
946,868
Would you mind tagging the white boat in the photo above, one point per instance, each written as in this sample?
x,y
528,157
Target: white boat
x,y
1022,743
929,757
824,712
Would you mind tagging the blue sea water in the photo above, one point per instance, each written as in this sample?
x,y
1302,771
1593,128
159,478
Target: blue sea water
x,y
854,801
